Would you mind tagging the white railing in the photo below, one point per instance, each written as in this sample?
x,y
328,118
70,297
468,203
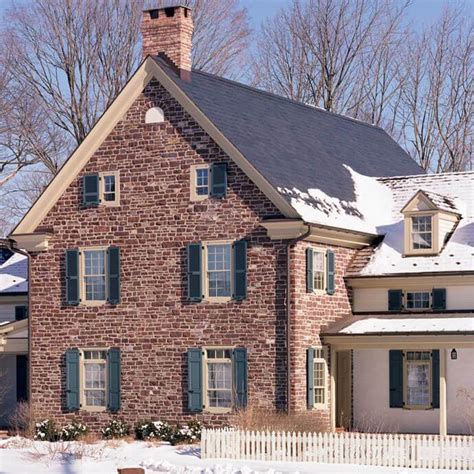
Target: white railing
x,y
388,450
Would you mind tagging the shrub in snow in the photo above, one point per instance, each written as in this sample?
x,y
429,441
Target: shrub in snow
x,y
189,433
147,430
115,429
46,431
72,431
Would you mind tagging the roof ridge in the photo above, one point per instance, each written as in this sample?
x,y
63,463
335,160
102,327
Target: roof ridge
x,y
427,175
286,99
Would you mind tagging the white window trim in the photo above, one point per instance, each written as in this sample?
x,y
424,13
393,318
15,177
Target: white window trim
x,y
204,272
324,254
193,183
116,201
82,397
405,300
208,408
405,379
409,248
324,360
82,286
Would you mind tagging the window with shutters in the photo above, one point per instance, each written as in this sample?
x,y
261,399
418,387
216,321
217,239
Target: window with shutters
x,y
200,182
94,275
320,374
218,264
94,379
417,379
319,270
417,300
218,376
109,188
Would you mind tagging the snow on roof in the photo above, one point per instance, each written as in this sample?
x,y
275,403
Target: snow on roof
x,y
457,254
420,323
14,274
443,203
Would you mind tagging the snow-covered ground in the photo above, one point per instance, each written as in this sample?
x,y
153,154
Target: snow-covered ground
x,y
20,456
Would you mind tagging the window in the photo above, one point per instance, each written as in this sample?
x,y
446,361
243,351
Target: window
x,y
200,182
218,270
418,300
94,381
418,379
219,389
109,188
320,376
154,115
421,232
319,283
94,275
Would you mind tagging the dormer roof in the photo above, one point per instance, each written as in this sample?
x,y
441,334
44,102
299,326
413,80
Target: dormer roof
x,y
429,200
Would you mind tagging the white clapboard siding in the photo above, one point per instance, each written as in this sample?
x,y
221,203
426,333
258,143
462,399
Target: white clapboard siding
x,y
388,450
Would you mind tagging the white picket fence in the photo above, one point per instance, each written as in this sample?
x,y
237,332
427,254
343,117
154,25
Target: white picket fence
x,y
388,450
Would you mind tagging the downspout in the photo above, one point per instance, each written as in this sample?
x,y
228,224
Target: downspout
x,y
288,314
10,242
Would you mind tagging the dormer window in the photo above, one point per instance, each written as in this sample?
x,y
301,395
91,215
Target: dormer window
x,y
422,232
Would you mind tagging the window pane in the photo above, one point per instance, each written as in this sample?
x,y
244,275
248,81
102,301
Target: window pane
x,y
95,378
109,187
219,269
421,232
318,271
202,182
418,300
220,399
219,384
95,398
418,383
94,275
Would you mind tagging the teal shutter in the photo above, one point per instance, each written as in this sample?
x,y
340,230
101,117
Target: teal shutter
x,y
90,190
240,270
21,312
395,300
240,377
113,273
219,180
396,378
310,377
195,379
330,272
439,299
195,272
309,270
72,277
113,379
72,379
435,378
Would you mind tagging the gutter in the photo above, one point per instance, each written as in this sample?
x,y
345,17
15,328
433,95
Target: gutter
x,y
288,314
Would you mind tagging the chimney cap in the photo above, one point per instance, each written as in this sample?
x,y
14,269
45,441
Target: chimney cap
x,y
160,6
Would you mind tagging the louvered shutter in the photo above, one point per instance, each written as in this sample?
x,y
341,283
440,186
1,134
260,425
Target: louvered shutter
x,y
113,379
72,379
195,272
240,377
195,380
330,272
439,299
72,277
113,274
240,270
219,180
395,300
310,377
21,378
309,270
396,378
90,190
435,378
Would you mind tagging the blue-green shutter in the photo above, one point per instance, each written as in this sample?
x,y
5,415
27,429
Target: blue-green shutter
x,y
113,379
330,272
240,270
395,300
195,272
240,377
309,270
219,180
439,299
435,378
310,377
90,190
72,277
21,312
72,379
113,273
195,379
396,378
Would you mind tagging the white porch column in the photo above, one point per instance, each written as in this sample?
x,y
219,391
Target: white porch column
x,y
333,387
443,418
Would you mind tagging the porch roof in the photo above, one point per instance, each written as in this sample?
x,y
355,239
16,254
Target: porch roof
x,y
14,337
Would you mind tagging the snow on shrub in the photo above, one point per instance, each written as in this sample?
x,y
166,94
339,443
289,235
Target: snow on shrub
x,y
189,433
46,431
72,431
115,429
147,430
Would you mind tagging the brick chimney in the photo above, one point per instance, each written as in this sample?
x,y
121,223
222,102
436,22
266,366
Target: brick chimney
x,y
169,30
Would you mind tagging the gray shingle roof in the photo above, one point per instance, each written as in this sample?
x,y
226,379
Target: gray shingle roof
x,y
291,144
443,203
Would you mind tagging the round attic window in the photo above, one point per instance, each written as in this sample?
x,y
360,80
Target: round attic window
x,y
154,115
